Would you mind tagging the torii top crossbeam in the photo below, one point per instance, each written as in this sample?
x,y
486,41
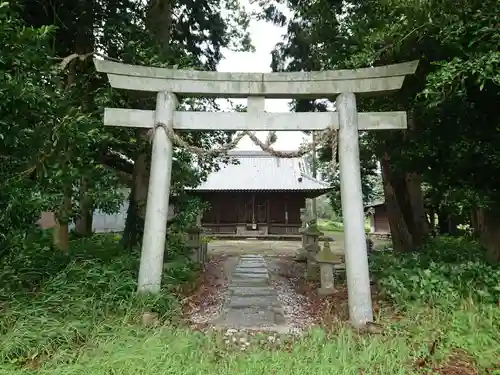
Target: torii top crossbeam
x,y
255,87
195,83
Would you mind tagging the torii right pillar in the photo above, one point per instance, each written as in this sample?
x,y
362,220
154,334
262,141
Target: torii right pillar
x,y
356,255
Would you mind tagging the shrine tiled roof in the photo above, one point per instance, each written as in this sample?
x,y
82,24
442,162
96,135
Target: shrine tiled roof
x,y
260,171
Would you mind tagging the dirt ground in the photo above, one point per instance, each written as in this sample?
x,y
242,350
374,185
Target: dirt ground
x,y
272,248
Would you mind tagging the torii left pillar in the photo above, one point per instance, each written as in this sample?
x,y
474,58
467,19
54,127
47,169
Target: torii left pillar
x,y
155,225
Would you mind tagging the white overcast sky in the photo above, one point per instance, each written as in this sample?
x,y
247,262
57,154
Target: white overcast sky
x,y
264,37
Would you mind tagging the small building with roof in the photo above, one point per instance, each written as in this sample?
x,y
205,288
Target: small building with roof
x,y
258,194
379,220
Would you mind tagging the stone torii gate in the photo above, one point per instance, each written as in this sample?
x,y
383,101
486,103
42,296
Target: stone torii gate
x,y
166,83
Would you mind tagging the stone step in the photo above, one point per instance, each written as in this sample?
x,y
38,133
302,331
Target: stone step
x,y
248,275
252,317
251,266
242,291
237,278
252,303
239,282
243,302
257,259
252,270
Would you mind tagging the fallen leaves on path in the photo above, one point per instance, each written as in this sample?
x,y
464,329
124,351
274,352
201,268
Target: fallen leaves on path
x,y
285,275
324,311
314,310
206,302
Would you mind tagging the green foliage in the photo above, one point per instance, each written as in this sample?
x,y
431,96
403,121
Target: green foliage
x,y
336,226
47,135
51,301
330,226
442,273
188,208
24,86
452,140
54,148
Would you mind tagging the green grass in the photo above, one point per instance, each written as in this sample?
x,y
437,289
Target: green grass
x,y
129,349
79,315
336,226
330,226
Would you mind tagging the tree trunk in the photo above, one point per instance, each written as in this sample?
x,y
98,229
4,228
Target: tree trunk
x,y
83,44
60,234
405,201
159,21
475,220
416,201
443,221
448,221
134,223
405,207
490,233
83,225
401,238
453,222
128,239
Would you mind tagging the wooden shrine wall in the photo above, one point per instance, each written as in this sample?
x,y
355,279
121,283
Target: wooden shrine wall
x,y
280,211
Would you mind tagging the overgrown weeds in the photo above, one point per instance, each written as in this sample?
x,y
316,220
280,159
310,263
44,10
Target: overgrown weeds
x,y
78,314
444,272
53,301
448,292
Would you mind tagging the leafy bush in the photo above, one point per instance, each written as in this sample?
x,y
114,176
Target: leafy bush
x,y
443,272
49,300
24,68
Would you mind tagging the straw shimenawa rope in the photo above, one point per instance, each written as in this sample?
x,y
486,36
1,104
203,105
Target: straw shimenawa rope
x,y
264,146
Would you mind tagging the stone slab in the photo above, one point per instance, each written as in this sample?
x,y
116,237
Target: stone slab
x,y
253,317
326,291
250,282
254,271
263,302
257,258
242,291
247,275
251,264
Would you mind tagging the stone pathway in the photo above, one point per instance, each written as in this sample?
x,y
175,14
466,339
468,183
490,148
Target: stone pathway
x,y
252,302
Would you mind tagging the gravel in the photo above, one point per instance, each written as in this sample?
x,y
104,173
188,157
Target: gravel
x,y
206,304
285,276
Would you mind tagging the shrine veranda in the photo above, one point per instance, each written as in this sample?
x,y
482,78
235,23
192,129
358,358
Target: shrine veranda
x,y
256,87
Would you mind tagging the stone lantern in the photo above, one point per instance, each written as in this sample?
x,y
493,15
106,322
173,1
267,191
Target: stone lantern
x,y
327,260
301,254
193,242
197,251
311,238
